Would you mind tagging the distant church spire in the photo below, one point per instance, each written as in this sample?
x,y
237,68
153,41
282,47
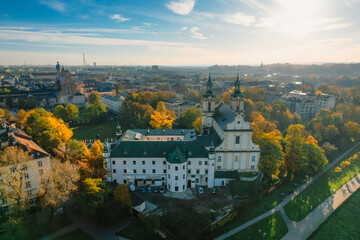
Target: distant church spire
x,y
237,92
209,92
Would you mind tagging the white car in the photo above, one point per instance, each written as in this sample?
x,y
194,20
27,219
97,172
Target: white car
x,y
132,188
201,190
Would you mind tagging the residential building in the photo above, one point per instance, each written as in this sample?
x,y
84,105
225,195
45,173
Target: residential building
x,y
307,104
113,104
32,172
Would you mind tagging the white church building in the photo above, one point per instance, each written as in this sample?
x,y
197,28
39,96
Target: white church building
x,y
178,159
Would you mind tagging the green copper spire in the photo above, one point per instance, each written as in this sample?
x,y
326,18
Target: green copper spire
x,y
237,92
209,92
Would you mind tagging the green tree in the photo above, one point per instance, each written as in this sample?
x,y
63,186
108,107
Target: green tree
x,y
59,112
312,159
72,112
9,101
188,117
95,111
94,97
74,149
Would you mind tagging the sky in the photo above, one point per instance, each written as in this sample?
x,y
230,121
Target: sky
x,y
179,32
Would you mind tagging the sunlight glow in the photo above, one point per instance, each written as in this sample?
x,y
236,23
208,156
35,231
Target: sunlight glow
x,y
298,17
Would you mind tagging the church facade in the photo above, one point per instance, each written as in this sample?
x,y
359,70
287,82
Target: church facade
x,y
178,159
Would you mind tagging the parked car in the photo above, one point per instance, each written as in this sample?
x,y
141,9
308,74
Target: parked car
x,y
149,189
155,190
143,190
201,190
132,188
161,190
213,191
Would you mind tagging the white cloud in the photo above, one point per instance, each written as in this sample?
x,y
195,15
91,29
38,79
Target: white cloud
x,y
54,4
182,7
239,18
183,28
119,18
196,34
79,39
350,3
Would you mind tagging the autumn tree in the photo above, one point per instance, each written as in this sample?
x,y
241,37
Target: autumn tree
x,y
92,195
302,155
255,94
162,118
294,141
60,183
2,113
95,162
351,131
46,129
269,139
122,195
197,124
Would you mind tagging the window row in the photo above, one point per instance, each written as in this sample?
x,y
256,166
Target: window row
x,y
143,171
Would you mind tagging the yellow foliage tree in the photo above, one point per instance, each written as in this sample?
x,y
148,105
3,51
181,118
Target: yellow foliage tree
x,y
162,118
197,124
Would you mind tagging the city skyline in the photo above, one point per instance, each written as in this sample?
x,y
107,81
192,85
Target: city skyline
x,y
179,32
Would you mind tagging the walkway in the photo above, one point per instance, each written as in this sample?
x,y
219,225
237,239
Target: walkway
x,y
303,229
288,199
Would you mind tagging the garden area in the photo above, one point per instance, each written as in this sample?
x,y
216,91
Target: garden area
x,y
323,187
347,228
270,228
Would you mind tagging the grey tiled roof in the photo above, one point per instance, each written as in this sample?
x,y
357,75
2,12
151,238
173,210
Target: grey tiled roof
x,y
223,115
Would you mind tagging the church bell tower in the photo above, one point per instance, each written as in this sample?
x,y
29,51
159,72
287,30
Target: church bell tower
x,y
208,106
237,98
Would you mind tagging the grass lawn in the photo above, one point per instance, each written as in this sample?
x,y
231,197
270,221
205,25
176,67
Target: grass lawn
x,y
35,228
89,131
243,189
321,189
343,223
138,231
76,234
257,207
271,227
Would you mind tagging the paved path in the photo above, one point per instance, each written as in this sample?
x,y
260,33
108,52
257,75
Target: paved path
x,y
286,199
303,229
